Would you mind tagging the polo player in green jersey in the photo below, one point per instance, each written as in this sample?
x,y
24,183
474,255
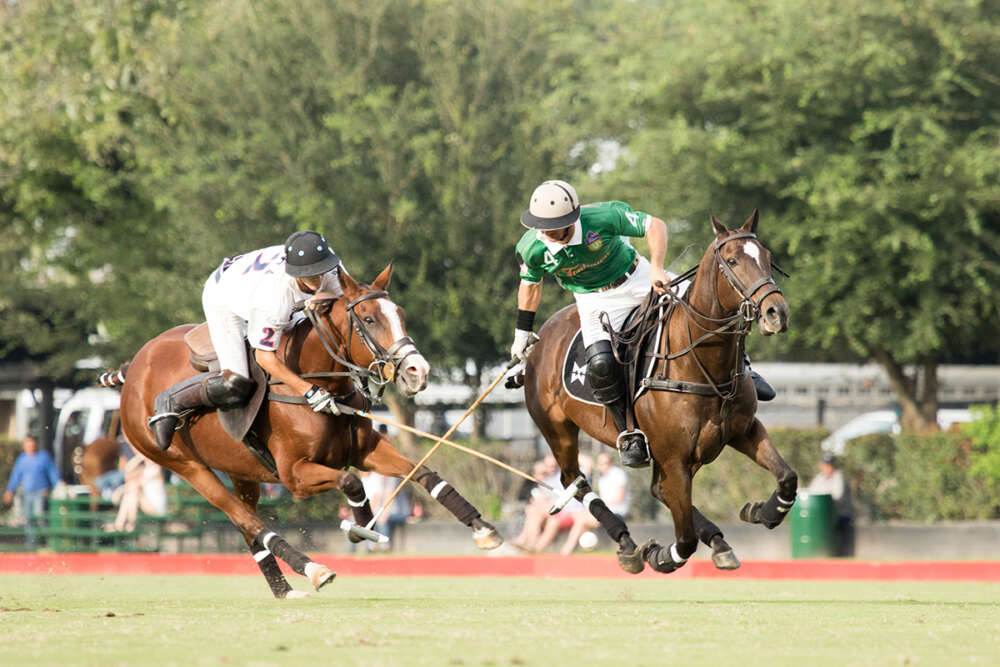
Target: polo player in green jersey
x,y
584,249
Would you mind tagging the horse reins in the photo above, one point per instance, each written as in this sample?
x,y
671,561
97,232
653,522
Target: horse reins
x,y
387,361
737,324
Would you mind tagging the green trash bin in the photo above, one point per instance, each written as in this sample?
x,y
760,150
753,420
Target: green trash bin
x,y
812,526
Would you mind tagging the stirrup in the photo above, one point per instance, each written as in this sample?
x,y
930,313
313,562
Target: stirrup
x,y
164,415
640,461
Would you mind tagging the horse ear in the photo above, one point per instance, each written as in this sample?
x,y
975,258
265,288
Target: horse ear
x,y
382,282
347,283
751,224
718,226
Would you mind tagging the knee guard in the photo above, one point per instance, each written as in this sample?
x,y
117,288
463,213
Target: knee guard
x,y
227,389
603,372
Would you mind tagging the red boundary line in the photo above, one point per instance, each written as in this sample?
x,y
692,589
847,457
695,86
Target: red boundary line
x,y
589,566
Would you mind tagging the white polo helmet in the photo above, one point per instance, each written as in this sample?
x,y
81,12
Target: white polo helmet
x,y
553,205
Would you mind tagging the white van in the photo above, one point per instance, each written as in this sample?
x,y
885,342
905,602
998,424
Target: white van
x,y
87,415
885,421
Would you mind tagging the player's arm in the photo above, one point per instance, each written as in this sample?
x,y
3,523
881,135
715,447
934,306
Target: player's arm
x,y
656,237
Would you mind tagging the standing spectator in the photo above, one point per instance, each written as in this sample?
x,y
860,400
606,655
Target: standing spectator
x,y
830,480
612,487
36,475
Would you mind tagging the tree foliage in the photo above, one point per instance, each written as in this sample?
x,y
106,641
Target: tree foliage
x,y
141,141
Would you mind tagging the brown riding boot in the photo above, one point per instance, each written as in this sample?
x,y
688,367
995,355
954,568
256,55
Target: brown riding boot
x,y
218,389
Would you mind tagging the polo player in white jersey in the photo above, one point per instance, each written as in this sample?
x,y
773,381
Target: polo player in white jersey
x,y
251,297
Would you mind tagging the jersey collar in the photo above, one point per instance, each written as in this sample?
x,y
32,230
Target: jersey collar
x,y
555,247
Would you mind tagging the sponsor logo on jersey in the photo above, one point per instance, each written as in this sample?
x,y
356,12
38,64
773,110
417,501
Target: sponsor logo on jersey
x,y
593,241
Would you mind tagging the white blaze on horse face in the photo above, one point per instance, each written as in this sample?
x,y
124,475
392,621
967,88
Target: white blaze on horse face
x,y
750,248
414,374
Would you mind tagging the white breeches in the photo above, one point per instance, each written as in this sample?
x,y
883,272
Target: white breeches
x,y
227,329
617,303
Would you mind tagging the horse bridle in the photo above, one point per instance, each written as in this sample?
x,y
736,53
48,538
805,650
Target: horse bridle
x,y
749,307
385,362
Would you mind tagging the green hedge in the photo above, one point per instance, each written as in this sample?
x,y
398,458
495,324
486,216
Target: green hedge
x,y
940,476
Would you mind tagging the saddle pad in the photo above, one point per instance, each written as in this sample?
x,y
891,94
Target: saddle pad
x,y
574,367
574,372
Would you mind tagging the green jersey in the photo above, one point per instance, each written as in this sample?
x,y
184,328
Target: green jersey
x,y
594,257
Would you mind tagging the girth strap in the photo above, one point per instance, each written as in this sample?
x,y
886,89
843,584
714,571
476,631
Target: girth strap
x,y
680,386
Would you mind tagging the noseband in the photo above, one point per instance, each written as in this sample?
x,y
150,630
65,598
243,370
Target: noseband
x,y
749,307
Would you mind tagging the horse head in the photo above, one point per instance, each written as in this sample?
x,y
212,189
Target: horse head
x,y
749,286
370,329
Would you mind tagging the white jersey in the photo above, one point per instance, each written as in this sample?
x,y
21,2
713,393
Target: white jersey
x,y
255,287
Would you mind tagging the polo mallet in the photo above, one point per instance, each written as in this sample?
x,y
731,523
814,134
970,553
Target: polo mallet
x,y
440,441
423,434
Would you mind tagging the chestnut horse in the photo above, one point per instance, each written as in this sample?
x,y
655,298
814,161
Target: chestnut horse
x,y
351,341
699,342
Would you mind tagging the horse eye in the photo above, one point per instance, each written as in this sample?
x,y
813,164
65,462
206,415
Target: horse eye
x,y
732,261
369,320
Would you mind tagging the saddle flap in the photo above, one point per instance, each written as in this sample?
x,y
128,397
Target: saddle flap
x,y
199,343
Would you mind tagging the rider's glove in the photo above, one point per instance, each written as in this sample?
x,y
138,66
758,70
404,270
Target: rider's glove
x,y
319,400
523,340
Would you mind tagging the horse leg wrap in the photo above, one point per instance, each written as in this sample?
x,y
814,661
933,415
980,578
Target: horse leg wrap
x,y
703,528
664,559
773,511
356,498
610,522
272,542
272,571
452,500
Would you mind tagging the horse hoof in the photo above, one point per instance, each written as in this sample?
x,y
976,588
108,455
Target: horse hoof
x,y
746,514
725,560
321,576
296,595
634,563
487,538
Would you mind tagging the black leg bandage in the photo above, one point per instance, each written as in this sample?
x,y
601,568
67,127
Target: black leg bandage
x,y
272,542
445,494
355,492
272,571
774,510
612,524
703,528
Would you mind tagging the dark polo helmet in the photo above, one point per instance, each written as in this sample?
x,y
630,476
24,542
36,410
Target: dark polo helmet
x,y
553,205
308,254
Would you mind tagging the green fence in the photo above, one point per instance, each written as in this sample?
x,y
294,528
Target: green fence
x,y
86,524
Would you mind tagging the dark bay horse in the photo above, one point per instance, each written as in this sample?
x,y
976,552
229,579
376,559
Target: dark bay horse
x,y
355,339
700,346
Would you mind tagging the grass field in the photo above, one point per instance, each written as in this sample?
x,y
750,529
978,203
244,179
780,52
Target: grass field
x,y
78,620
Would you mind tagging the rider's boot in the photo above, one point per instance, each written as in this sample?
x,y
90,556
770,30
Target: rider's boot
x,y
218,389
765,392
606,382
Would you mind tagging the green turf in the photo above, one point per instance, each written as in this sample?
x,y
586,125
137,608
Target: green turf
x,y
79,620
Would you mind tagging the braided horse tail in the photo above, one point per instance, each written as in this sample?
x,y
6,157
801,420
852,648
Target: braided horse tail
x,y
114,378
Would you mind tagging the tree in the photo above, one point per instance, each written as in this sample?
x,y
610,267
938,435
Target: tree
x,y
868,135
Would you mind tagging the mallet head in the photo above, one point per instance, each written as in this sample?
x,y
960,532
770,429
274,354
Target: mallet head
x,y
352,529
567,495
